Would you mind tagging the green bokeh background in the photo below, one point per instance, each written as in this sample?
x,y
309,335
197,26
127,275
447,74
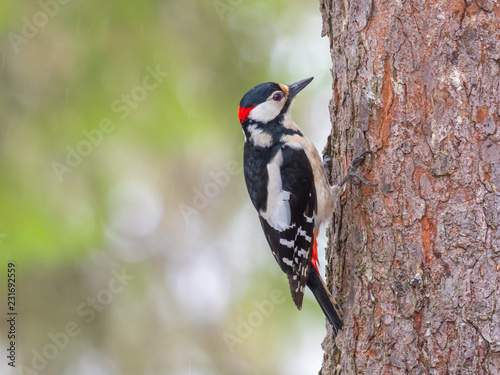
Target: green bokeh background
x,y
126,203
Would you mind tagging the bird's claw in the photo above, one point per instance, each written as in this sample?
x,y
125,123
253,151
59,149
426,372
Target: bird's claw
x,y
352,172
361,179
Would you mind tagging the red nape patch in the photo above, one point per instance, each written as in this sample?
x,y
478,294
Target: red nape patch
x,y
243,113
314,260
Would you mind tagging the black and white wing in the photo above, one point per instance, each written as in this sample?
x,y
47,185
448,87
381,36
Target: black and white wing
x,y
286,213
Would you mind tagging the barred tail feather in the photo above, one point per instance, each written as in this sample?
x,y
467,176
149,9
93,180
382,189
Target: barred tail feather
x,y
328,304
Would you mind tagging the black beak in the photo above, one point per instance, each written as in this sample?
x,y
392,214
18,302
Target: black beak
x,y
296,87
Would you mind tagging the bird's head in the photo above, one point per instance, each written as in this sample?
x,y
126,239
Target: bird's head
x,y
265,102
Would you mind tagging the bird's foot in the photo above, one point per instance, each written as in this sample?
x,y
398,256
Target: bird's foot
x,y
352,172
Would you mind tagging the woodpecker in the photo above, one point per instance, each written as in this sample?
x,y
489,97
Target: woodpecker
x,y
288,186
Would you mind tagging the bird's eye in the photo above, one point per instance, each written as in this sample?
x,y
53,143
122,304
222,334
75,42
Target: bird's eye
x,y
278,96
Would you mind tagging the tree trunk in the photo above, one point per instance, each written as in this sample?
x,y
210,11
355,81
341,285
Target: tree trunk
x,y
415,262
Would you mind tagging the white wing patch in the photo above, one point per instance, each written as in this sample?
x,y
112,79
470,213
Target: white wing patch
x,y
287,243
288,261
303,233
303,253
308,219
277,213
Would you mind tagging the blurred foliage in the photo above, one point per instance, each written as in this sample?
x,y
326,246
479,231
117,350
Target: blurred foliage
x,y
95,163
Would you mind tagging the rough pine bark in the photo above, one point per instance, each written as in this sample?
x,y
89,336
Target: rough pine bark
x,y
415,262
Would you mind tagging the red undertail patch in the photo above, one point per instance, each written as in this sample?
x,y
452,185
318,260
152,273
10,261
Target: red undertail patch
x,y
314,260
243,113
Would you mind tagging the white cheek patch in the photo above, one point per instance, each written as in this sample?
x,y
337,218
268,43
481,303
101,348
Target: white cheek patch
x,y
266,111
277,213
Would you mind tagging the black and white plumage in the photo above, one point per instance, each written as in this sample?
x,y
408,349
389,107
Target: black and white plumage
x,y
288,187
